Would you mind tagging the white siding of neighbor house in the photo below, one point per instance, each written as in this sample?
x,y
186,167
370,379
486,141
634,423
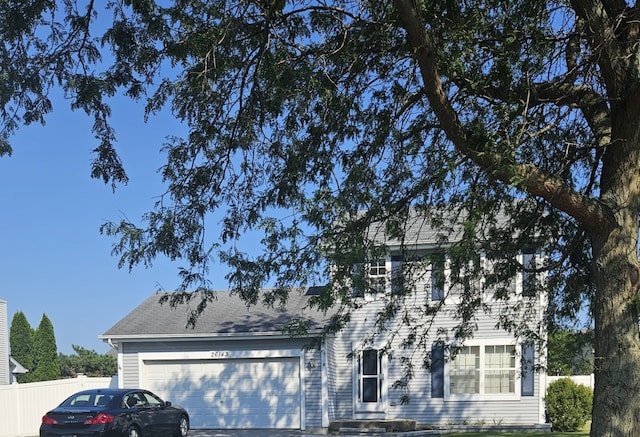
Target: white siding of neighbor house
x,y
421,407
4,344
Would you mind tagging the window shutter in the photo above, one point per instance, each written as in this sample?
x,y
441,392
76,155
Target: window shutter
x,y
527,377
437,277
437,371
529,285
397,275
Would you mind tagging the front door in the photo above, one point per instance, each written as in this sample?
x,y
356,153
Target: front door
x,y
370,387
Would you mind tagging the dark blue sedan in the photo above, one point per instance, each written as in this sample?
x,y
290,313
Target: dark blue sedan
x,y
115,413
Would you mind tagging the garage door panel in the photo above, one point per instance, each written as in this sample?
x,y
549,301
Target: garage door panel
x,y
244,393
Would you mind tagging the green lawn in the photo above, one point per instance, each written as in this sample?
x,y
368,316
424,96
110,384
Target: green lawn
x,y
583,433
518,434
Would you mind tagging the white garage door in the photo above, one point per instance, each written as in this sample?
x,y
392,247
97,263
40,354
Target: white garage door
x,y
230,393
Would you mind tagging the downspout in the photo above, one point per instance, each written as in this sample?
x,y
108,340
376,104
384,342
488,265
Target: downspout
x,y
119,378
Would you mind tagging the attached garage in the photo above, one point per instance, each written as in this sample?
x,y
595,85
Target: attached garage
x,y
230,393
236,368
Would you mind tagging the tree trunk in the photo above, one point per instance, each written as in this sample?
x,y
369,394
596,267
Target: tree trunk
x,y
616,401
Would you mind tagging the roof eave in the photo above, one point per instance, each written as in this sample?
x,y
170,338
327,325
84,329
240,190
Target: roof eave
x,y
202,336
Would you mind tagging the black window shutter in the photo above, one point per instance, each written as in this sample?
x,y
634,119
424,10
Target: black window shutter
x,y
527,377
437,371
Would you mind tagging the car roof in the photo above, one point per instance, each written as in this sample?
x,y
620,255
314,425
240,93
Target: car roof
x,y
111,391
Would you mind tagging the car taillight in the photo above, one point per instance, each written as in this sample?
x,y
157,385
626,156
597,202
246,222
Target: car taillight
x,y
100,419
48,420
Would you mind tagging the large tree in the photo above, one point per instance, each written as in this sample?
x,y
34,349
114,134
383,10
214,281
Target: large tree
x,y
302,114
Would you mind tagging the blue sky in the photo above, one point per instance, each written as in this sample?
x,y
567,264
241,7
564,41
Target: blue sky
x,y
53,259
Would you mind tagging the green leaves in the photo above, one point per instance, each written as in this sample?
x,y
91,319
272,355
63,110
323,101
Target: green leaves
x,y
301,116
87,362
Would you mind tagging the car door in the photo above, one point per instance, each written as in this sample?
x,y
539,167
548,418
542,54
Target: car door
x,y
164,419
142,414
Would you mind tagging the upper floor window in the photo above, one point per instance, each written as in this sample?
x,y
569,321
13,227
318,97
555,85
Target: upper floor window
x,y
377,276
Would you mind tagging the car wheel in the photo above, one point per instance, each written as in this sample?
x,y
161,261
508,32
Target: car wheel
x,y
183,427
133,432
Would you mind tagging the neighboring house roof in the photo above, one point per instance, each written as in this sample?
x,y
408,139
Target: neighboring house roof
x,y
16,367
228,315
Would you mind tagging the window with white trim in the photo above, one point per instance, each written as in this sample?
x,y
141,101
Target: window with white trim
x,y
464,373
377,275
500,369
487,369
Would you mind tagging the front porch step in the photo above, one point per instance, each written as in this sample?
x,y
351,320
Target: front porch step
x,y
361,431
366,427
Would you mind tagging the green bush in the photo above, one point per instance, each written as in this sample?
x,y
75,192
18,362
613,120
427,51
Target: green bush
x,y
568,405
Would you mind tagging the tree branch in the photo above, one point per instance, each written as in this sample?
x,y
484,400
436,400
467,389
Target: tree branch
x,y
593,106
591,213
600,28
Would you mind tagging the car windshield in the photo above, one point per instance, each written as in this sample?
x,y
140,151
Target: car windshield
x,y
92,399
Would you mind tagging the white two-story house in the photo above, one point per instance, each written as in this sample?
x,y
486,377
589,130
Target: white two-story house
x,y
237,368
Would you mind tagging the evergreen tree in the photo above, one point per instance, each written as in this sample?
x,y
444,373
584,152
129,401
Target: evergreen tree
x,y
47,365
21,343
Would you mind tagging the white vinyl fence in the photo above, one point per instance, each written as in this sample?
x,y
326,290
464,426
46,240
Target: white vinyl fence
x,y
23,405
578,379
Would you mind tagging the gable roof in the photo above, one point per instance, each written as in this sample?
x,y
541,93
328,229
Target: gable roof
x,y
226,316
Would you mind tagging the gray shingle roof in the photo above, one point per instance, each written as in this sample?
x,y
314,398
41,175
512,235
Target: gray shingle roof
x,y
226,316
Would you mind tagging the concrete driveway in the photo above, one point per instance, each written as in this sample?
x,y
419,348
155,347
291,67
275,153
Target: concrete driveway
x,y
297,433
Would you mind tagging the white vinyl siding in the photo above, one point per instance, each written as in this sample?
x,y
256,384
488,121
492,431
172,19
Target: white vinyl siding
x,y
422,405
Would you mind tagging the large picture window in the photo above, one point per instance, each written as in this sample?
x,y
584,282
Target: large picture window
x,y
483,370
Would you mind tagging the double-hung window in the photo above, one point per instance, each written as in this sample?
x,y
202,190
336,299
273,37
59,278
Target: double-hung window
x,y
464,373
499,369
377,275
488,370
